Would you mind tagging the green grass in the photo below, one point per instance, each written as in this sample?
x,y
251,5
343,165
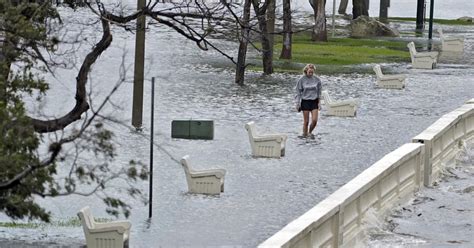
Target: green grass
x,y
335,55
70,222
339,54
439,21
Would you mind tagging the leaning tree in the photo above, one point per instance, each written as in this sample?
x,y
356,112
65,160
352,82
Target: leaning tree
x,y
72,152
34,147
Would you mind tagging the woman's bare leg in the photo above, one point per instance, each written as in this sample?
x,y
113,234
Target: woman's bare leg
x,y
314,120
305,122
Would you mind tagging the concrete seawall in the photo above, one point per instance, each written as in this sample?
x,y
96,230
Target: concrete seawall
x,y
336,221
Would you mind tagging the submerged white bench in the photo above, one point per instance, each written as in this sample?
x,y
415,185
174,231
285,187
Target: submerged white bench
x,y
339,108
266,145
451,43
389,81
104,235
210,181
422,60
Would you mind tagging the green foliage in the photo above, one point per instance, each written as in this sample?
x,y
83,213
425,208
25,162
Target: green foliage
x,y
25,30
17,153
113,204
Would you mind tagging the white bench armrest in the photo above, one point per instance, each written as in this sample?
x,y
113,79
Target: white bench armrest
x,y
392,77
427,54
122,223
119,229
453,39
344,102
271,137
219,173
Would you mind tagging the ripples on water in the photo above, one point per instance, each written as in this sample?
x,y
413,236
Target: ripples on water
x,y
262,195
409,225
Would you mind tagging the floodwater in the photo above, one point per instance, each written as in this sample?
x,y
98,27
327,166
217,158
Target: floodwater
x,y
438,216
446,9
261,195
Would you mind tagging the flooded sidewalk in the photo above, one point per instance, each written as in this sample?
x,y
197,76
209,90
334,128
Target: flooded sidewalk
x,y
261,195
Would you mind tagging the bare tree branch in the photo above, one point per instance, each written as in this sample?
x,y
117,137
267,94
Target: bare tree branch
x,y
43,126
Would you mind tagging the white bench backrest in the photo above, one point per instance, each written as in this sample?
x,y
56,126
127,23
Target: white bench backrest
x,y
185,164
86,218
378,71
411,47
251,129
326,97
441,34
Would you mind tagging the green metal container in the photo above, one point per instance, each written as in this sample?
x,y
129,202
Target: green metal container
x,y
192,129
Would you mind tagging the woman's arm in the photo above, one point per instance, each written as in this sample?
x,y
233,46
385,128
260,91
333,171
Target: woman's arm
x,y
319,93
299,92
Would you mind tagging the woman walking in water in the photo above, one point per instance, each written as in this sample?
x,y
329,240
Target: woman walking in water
x,y
308,93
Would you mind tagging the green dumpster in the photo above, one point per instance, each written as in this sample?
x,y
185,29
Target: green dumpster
x,y
192,129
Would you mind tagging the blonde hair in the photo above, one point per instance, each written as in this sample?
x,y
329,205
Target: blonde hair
x,y
305,69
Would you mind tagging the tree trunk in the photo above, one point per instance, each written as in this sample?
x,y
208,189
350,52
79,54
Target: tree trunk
x,y
287,32
359,7
383,11
244,40
343,7
319,29
271,22
267,51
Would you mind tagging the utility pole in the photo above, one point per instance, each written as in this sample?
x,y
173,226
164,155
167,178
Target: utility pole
x,y
137,108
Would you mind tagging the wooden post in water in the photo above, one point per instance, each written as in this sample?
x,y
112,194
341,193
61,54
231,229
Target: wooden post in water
x,y
383,13
430,31
420,16
137,108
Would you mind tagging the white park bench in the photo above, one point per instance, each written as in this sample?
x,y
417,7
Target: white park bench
x,y
210,181
104,235
422,60
339,108
451,43
389,81
266,145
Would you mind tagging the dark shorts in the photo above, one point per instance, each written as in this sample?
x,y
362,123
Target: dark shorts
x,y
309,105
